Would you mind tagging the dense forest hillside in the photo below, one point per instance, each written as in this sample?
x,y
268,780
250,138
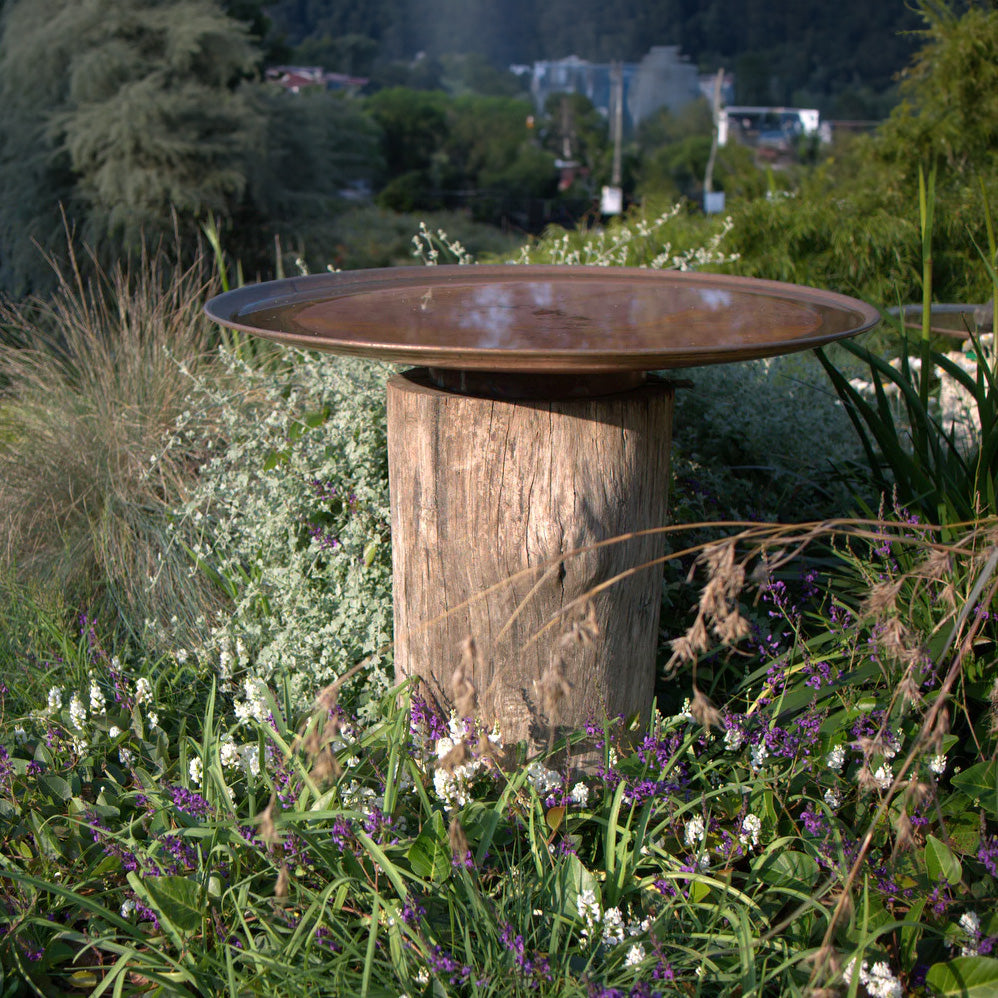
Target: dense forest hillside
x,y
783,51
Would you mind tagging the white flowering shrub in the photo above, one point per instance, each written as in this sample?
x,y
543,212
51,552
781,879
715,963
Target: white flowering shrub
x,y
633,241
293,505
775,423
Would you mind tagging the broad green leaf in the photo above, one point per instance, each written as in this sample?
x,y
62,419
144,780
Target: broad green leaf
x,y
967,976
788,869
571,879
56,786
980,782
940,863
178,899
430,855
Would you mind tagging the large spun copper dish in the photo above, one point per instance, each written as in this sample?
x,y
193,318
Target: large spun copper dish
x,y
542,319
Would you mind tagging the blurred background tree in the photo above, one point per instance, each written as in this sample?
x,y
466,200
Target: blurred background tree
x,y
124,112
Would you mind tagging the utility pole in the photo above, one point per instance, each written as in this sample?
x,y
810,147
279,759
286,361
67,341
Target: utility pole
x,y
710,203
612,200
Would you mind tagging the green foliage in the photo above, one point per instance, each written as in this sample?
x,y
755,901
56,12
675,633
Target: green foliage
x,y
839,241
413,125
950,108
250,848
139,116
434,144
91,381
941,463
308,149
789,52
290,511
773,438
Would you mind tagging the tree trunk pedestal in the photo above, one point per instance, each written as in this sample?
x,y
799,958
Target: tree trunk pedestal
x,y
494,504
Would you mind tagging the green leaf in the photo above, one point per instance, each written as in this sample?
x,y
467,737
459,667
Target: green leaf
x,y
967,976
178,899
788,869
429,855
980,782
940,863
56,786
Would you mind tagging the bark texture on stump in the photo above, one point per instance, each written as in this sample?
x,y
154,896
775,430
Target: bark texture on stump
x,y
482,489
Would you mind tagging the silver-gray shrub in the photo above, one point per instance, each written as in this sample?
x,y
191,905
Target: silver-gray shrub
x,y
777,416
293,500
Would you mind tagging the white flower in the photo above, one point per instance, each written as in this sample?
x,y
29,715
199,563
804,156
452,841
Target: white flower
x,y
228,753
613,927
848,970
937,764
836,758
196,771
878,979
127,907
880,982
733,739
579,794
80,745
970,922
20,735
758,755
153,719
588,908
143,690
181,656
696,831
634,955
832,799
255,704
98,705
884,776
55,699
125,756
541,778
751,827
892,744
250,757
77,712
113,731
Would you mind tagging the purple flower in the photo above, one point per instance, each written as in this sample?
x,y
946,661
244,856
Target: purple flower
x,y
422,718
814,822
190,802
341,833
987,853
644,790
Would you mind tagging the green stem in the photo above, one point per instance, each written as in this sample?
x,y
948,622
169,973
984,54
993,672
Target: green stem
x,y
926,211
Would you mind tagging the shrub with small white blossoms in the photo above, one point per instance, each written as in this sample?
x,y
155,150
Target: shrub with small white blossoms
x,y
294,503
632,241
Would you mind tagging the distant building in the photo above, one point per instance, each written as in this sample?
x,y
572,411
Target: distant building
x,y
772,126
297,78
663,78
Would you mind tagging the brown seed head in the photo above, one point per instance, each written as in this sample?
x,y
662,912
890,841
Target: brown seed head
x,y
458,840
268,830
283,879
465,698
704,712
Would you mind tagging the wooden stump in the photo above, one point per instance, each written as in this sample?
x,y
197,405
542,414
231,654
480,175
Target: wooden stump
x,y
482,489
